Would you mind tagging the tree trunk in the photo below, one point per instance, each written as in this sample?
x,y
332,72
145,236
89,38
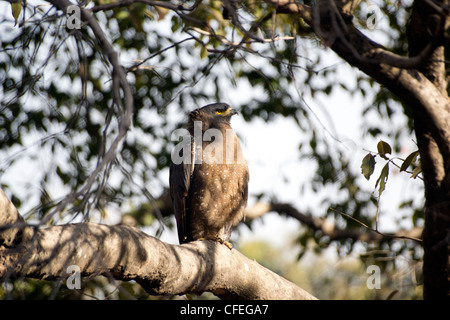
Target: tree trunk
x,y
421,85
419,82
436,235
427,28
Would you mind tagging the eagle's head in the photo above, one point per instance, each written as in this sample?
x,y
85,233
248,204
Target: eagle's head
x,y
216,115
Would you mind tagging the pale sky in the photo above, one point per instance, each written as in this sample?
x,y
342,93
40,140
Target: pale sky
x,y
271,150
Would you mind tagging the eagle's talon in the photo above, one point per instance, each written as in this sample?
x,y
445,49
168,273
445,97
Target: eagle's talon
x,y
228,244
219,240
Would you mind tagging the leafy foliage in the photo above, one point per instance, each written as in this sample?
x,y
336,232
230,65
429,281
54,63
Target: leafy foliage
x,y
59,113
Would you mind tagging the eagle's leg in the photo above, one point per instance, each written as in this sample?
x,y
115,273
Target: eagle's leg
x,y
221,241
227,243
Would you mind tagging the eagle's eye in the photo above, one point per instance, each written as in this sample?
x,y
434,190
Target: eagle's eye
x,y
221,112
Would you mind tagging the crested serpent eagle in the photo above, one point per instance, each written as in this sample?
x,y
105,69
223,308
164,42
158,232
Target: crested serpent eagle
x,y
209,177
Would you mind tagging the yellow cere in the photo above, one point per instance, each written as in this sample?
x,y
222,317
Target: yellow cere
x,y
224,112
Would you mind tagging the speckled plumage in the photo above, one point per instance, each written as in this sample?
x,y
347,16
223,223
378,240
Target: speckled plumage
x,y
210,194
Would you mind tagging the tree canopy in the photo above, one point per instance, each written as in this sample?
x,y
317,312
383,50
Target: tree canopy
x,y
92,91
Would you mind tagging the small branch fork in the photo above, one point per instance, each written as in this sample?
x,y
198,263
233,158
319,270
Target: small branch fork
x,y
328,228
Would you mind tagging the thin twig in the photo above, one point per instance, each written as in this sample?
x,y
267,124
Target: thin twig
x,y
120,82
394,236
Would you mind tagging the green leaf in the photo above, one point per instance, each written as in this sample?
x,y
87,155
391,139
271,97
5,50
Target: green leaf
x,y
368,165
382,179
16,9
123,14
203,52
409,159
383,149
416,172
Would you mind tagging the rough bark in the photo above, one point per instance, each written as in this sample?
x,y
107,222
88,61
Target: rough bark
x,y
419,82
420,89
427,28
126,253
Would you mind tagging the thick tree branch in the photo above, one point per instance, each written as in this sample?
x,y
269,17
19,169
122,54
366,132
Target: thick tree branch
x,y
328,228
397,73
427,28
420,82
125,253
292,7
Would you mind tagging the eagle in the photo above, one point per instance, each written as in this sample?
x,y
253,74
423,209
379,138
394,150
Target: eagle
x,y
209,177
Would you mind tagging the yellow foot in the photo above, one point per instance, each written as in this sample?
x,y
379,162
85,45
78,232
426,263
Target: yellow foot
x,y
228,244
